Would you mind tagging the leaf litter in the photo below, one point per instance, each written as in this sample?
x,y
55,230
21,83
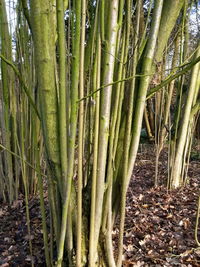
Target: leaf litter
x,y
159,226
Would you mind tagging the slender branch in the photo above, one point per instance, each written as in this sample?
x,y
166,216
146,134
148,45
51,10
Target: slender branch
x,y
113,83
171,78
22,159
153,90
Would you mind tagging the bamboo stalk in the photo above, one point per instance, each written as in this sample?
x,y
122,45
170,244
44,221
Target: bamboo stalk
x,y
73,124
105,113
80,137
96,74
144,83
127,140
62,91
183,130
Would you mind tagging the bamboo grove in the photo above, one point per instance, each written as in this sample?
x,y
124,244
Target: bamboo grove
x,y
79,81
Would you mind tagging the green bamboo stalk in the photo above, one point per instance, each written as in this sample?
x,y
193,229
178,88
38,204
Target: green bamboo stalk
x,y
73,124
115,118
109,61
166,24
97,66
144,38
102,22
118,146
80,137
181,80
42,204
143,86
26,13
169,96
62,90
120,84
89,107
7,80
21,148
107,213
127,139
184,126
23,58
43,26
41,14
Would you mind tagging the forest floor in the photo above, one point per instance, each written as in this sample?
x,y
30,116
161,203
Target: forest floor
x,y
159,227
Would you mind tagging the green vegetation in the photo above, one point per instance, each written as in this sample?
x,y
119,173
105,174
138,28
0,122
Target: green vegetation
x,y
81,83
